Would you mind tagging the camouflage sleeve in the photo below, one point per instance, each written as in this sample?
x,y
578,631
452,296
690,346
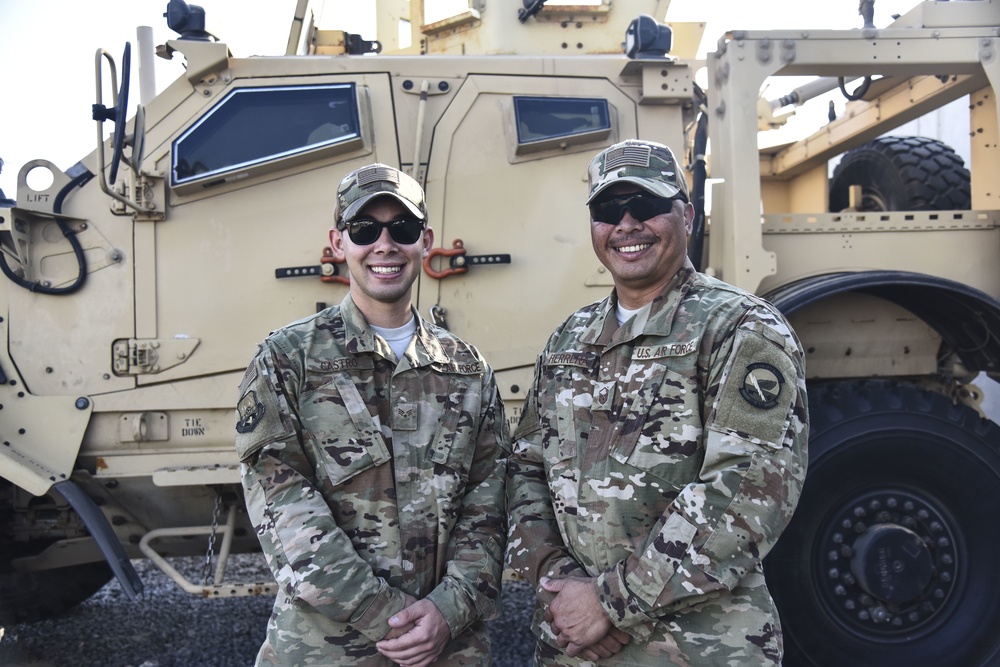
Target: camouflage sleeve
x,y
535,546
470,588
721,525
309,555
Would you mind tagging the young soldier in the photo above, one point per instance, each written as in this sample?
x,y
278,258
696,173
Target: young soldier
x,y
374,446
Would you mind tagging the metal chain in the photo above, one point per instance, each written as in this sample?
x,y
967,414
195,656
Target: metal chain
x,y
211,541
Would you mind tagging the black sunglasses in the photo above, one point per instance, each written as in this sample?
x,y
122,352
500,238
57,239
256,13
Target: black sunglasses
x,y
641,205
365,231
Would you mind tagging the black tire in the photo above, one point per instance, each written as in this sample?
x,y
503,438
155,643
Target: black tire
x,y
902,174
26,597
898,462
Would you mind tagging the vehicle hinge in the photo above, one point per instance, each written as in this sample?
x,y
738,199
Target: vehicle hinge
x,y
131,356
149,193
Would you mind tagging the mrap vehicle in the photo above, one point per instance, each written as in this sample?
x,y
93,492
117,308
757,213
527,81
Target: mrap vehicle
x,y
138,284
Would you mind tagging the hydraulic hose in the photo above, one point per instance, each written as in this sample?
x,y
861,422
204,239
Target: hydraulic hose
x,y
81,260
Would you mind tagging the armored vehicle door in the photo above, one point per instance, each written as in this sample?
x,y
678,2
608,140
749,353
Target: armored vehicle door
x,y
253,169
529,140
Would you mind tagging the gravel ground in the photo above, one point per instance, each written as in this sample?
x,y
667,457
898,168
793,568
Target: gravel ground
x,y
170,628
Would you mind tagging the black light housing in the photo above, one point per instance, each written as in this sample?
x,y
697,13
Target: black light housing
x,y
186,20
647,39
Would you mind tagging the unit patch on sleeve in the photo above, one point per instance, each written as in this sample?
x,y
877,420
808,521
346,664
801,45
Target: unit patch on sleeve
x,y
757,390
251,412
762,385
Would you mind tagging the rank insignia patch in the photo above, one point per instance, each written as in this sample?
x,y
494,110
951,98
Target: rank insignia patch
x,y
404,417
762,385
250,410
604,395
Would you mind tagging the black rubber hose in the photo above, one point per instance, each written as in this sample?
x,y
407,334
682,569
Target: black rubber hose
x,y
858,93
699,173
70,235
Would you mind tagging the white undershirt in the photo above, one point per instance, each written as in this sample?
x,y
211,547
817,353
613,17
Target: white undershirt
x,y
398,338
623,314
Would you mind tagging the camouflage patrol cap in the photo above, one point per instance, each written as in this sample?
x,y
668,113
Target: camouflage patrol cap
x,y
364,184
649,165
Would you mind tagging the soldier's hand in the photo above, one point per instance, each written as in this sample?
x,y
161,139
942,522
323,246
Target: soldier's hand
x,y
578,620
400,631
607,646
426,637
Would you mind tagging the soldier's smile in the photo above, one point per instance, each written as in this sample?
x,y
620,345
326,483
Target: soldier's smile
x,y
386,270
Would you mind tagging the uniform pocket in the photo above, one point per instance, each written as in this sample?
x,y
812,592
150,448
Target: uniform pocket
x,y
571,400
347,439
458,422
661,426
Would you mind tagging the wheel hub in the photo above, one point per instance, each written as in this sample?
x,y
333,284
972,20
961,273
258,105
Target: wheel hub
x,y
888,563
891,562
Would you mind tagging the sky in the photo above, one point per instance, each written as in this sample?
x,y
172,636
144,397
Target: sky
x,y
47,52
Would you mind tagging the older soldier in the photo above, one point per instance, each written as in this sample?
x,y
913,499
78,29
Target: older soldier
x,y
662,448
374,446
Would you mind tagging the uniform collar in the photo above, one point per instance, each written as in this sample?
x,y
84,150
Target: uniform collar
x,y
360,338
654,319
427,348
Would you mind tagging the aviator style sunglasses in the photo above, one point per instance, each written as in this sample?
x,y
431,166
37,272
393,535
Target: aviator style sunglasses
x,y
641,205
365,231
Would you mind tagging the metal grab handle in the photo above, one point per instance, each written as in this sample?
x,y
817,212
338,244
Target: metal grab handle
x,y
458,248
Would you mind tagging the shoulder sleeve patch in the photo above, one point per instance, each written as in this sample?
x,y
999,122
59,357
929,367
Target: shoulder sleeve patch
x,y
258,419
249,412
757,392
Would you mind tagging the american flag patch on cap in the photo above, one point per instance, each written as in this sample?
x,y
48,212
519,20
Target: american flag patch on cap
x,y
627,156
377,173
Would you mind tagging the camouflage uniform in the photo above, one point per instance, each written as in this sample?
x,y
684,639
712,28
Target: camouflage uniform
x,y
366,479
664,458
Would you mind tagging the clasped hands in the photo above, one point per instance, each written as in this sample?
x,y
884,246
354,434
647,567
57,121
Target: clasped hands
x,y
418,633
578,620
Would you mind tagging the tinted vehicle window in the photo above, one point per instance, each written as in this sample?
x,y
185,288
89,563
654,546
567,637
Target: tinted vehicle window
x,y
540,118
254,125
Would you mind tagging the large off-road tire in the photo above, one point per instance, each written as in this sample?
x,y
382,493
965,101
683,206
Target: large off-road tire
x,y
26,597
893,554
902,174
34,596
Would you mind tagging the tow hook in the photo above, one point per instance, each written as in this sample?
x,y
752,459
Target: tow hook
x,y
459,261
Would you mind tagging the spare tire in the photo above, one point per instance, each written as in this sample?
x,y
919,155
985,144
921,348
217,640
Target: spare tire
x,y
902,174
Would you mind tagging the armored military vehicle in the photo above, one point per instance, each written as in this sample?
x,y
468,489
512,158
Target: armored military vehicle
x,y
138,283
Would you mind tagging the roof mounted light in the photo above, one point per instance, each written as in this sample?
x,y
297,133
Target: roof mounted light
x,y
187,20
647,39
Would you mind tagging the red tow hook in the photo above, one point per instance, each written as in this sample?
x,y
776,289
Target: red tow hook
x,y
330,270
457,262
